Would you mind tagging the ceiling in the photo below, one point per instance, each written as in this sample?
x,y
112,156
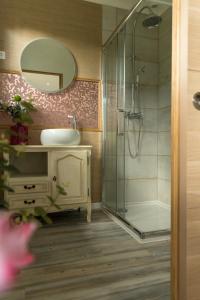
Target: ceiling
x,y
125,4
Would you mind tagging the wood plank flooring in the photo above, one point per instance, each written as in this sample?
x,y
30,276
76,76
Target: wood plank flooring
x,y
80,261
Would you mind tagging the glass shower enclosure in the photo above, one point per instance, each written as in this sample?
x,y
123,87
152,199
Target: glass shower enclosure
x,y
136,110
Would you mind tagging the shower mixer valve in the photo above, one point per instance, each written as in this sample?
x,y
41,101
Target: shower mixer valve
x,y
133,115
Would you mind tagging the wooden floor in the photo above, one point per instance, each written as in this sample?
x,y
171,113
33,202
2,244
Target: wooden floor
x,y
80,261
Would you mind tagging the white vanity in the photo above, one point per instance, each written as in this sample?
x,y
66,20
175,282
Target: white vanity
x,y
41,169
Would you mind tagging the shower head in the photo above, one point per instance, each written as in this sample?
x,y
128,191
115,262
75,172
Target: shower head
x,y
152,21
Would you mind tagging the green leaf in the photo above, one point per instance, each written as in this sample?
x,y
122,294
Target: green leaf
x,y
61,190
28,106
25,218
6,133
51,199
17,98
4,187
6,148
8,168
53,202
40,212
57,206
25,118
47,219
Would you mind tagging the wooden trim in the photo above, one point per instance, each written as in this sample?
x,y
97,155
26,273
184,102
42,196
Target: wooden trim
x,y
36,127
179,102
100,101
87,79
10,72
75,78
91,129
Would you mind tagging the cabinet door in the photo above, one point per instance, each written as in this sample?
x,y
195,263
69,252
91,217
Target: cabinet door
x,y
70,172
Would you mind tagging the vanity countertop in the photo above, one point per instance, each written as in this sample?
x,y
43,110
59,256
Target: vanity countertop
x,y
51,147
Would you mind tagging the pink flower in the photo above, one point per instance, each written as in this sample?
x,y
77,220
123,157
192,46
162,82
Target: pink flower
x,y
14,254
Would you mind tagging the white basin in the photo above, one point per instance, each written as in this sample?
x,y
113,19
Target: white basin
x,y
66,136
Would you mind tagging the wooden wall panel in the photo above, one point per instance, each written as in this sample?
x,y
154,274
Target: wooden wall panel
x,y
76,24
194,34
193,187
193,156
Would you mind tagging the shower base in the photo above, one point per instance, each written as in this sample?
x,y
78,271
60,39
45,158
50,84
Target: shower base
x,y
149,219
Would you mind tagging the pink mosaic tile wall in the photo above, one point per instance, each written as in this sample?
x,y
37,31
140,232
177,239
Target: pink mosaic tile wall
x,y
81,99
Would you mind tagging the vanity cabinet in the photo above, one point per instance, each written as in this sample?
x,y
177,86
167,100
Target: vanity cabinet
x,y
41,169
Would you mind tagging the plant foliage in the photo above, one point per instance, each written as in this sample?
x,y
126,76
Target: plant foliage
x,y
19,110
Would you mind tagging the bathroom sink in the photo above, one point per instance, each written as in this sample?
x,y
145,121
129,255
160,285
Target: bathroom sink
x,y
66,136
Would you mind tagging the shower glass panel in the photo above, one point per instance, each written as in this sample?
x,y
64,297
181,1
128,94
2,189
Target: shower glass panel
x,y
137,83
114,144
121,209
110,119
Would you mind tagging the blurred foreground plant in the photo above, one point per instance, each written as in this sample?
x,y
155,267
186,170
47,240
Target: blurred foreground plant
x,y
24,215
14,254
16,229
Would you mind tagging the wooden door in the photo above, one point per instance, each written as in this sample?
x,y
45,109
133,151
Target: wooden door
x,y
69,170
186,147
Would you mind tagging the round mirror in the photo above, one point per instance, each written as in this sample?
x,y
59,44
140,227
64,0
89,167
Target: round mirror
x,y
47,65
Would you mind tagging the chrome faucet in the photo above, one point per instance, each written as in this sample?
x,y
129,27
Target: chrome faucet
x,y
73,121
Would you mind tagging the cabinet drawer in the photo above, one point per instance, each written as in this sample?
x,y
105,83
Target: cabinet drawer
x,y
28,202
29,187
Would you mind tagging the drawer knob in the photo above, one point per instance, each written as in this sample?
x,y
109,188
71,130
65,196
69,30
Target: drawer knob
x,y
29,187
29,202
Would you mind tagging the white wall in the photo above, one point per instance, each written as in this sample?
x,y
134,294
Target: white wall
x,y
148,175
142,172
